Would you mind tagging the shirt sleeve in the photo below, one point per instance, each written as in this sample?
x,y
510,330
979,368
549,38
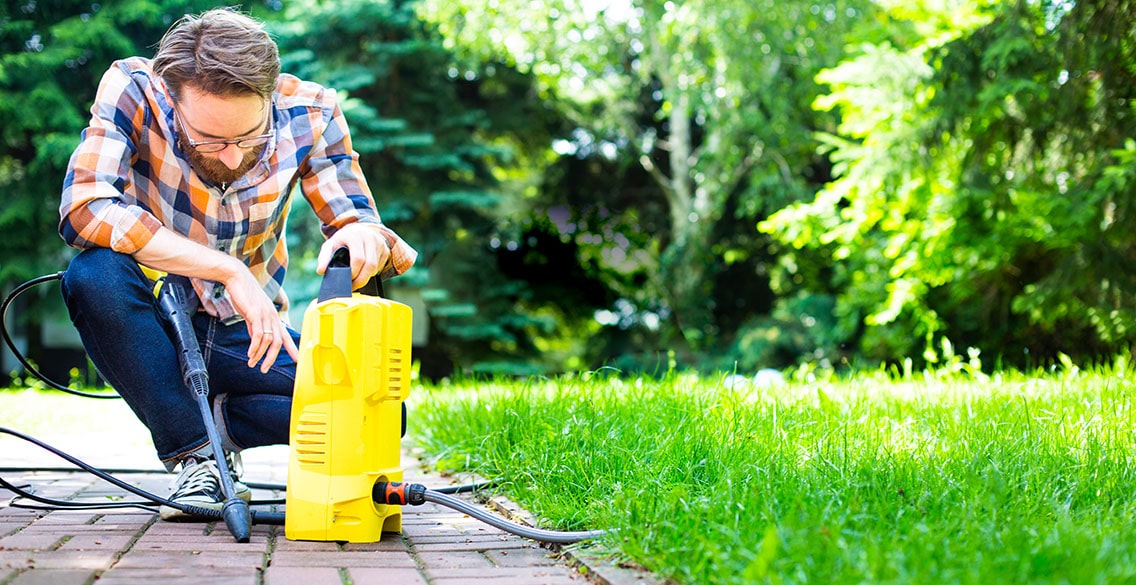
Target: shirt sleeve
x,y
93,210
334,185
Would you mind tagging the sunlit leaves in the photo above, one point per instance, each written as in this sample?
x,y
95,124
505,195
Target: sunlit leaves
x,y
978,195
710,98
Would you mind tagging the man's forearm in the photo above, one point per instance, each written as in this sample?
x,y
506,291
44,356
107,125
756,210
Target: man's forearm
x,y
170,252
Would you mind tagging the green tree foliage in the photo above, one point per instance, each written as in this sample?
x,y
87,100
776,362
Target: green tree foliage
x,y
548,159
711,99
52,55
429,137
985,185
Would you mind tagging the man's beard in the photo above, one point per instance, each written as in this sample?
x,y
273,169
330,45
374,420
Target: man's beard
x,y
213,170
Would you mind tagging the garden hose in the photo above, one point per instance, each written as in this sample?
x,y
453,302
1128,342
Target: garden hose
x,y
415,494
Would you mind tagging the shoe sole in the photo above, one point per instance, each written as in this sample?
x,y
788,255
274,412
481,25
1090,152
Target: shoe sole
x,y
171,514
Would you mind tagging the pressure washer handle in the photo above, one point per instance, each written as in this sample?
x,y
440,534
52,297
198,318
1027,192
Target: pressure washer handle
x,y
177,306
337,279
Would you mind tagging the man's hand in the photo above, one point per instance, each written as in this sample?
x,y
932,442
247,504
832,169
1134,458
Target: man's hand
x,y
267,332
171,252
366,245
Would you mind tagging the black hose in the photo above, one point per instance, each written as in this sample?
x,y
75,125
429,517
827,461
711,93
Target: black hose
x,y
112,470
53,504
16,352
453,489
413,494
256,516
153,498
538,534
465,489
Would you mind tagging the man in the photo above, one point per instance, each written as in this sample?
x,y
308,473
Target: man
x,y
187,167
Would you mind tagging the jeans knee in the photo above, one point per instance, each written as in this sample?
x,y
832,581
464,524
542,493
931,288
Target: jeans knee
x,y
98,273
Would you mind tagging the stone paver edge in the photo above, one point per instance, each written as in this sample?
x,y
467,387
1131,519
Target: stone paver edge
x,y
593,566
596,567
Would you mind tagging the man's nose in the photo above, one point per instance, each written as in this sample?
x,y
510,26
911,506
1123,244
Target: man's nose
x,y
231,156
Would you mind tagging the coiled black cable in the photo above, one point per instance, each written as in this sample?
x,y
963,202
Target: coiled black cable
x,y
16,352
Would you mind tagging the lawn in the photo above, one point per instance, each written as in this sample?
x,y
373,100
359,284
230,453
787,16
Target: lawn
x,y
936,477
104,433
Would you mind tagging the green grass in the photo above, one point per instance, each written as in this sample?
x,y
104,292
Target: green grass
x,y
40,412
101,432
950,478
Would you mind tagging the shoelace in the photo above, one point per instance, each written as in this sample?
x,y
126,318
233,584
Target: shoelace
x,y
199,478
236,464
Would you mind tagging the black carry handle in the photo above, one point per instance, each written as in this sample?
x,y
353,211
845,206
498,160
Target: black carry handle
x,y
337,279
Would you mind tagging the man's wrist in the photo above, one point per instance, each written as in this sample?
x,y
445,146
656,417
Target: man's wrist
x,y
231,269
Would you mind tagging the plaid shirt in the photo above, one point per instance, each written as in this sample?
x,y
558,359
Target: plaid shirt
x,y
128,177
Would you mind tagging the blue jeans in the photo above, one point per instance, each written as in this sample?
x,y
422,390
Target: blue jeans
x,y
113,308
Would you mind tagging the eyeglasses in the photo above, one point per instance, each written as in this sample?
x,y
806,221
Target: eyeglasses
x,y
210,146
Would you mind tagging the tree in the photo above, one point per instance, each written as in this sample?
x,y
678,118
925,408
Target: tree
x,y
984,185
710,97
429,143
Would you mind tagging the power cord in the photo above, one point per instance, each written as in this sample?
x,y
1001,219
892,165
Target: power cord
x,y
20,357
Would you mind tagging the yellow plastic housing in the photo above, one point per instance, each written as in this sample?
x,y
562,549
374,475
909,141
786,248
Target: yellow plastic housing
x,y
351,378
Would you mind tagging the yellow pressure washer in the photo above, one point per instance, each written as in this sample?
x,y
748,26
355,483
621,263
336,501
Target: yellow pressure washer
x,y
348,418
348,413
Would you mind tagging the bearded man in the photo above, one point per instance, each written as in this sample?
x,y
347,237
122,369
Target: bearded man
x,y
188,166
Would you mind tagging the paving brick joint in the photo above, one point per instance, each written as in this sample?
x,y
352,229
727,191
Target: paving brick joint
x,y
131,546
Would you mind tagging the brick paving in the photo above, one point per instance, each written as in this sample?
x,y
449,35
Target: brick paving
x,y
438,546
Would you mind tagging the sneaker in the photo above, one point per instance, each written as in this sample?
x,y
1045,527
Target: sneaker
x,y
199,484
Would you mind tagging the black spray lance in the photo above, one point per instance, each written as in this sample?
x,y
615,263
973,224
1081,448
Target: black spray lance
x,y
177,305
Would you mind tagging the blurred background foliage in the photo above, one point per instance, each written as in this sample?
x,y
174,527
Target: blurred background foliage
x,y
715,184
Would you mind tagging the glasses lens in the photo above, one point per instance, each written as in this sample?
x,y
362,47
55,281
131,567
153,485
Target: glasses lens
x,y
251,142
211,147
208,147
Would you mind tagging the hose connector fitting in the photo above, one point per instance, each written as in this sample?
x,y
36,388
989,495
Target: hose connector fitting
x,y
398,493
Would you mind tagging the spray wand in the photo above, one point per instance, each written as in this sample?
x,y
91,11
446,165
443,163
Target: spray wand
x,y
177,305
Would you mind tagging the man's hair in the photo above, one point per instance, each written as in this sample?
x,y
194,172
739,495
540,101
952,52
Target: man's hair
x,y
221,52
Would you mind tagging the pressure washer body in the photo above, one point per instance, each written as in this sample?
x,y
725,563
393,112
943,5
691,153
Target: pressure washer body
x,y
347,413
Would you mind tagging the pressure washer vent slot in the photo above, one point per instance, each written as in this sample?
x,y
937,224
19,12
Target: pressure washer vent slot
x,y
395,363
311,437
